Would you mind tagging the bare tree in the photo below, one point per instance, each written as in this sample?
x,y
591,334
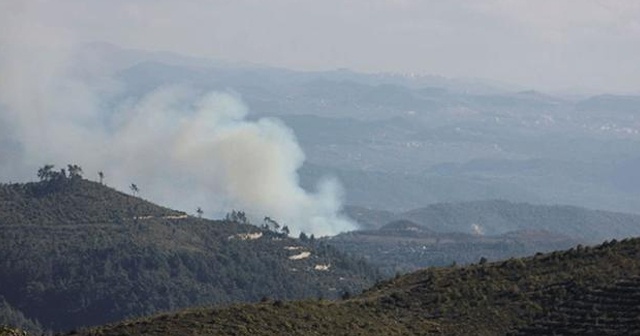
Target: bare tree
x,y
134,189
270,223
199,212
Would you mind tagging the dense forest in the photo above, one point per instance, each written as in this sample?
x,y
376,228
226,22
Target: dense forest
x,y
78,253
581,291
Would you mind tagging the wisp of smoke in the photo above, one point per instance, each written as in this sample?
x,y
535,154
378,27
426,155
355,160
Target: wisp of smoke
x,y
184,149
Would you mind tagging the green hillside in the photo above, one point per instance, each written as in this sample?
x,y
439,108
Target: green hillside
x,y
581,291
77,253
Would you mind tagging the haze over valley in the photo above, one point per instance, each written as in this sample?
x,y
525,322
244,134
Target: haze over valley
x,y
413,161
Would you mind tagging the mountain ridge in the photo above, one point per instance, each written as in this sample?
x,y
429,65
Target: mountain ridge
x,y
496,217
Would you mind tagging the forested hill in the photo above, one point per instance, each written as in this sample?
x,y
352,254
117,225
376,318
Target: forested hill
x,y
77,253
73,201
496,217
581,291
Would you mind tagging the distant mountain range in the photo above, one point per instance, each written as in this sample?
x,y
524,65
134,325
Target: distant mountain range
x,y
398,142
77,253
498,217
463,233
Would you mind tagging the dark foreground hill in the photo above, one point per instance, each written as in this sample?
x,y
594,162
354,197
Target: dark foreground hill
x,y
76,253
581,291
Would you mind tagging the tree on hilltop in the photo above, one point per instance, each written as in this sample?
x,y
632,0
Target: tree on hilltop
x,y
134,189
46,173
269,223
237,217
75,171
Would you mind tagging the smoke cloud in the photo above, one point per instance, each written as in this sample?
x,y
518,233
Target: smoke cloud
x,y
182,147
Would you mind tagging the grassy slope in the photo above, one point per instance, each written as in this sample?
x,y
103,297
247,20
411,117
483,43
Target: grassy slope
x,y
538,294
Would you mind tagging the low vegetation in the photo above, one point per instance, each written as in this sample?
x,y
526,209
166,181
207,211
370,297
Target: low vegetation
x,y
581,291
10,331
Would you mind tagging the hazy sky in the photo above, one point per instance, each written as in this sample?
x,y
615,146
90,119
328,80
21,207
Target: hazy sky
x,y
543,44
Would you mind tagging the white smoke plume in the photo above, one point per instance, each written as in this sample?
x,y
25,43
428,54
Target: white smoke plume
x,y
477,229
183,148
